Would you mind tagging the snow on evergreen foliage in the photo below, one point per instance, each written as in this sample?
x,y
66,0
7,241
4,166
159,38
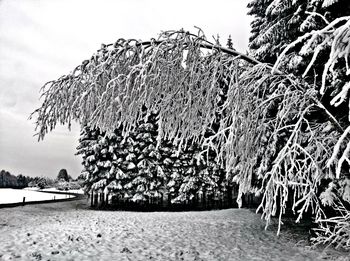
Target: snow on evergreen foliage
x,y
277,23
133,168
327,3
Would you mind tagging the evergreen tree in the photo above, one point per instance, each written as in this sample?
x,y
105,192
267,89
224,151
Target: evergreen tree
x,y
229,42
97,156
63,175
147,177
126,166
277,23
281,28
22,181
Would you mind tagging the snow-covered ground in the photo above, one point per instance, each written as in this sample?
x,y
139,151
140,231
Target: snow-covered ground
x,y
75,191
70,231
16,195
32,188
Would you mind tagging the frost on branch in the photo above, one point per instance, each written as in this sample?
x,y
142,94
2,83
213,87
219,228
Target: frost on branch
x,y
175,75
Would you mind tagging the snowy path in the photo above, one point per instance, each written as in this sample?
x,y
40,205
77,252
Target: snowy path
x,y
70,231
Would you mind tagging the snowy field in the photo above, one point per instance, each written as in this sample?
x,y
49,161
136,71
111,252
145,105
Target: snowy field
x,y
16,195
70,231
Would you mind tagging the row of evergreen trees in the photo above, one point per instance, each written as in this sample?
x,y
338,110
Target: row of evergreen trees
x,y
8,180
139,168
63,180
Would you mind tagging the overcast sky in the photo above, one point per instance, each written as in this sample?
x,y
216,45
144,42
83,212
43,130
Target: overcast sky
x,y
40,40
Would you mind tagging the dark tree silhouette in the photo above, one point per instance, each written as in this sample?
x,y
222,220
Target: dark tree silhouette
x,y
63,175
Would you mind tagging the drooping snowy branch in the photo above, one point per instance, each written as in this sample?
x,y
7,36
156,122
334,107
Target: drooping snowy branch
x,y
176,75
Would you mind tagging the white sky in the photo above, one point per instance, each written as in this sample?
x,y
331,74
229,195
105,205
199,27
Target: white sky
x,y
40,40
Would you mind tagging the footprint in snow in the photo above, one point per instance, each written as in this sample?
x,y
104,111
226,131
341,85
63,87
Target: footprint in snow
x,y
125,250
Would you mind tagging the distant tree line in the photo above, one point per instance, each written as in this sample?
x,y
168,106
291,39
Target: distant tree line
x,y
63,181
7,180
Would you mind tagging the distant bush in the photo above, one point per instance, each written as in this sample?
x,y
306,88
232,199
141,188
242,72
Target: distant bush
x,y
41,182
64,185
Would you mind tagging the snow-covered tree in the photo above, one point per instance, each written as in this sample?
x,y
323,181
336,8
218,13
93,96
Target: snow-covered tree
x,y
267,138
96,158
311,46
277,23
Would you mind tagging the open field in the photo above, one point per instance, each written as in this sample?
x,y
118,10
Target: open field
x,y
8,195
71,231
